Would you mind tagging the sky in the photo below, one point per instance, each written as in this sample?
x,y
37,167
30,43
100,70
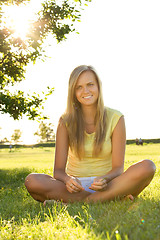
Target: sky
x,y
121,40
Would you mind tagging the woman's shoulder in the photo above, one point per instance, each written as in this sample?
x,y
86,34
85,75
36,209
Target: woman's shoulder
x,y
113,112
64,120
113,117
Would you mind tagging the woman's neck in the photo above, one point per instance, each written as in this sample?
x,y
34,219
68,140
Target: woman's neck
x,y
89,113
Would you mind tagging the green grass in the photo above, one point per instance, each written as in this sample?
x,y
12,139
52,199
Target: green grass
x,y
23,218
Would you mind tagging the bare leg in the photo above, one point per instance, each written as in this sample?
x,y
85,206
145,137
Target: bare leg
x,y
43,187
132,181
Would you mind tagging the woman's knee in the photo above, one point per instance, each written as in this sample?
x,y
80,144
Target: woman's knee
x,y
142,170
30,181
149,167
146,169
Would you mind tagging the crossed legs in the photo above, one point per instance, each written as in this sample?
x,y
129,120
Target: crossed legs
x,y
43,187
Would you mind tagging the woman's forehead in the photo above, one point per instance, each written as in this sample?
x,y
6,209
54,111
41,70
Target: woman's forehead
x,y
85,77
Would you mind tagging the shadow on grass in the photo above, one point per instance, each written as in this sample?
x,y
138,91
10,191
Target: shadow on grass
x,y
15,201
137,220
11,178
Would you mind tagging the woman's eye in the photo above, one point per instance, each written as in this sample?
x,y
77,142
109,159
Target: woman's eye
x,y
79,87
90,84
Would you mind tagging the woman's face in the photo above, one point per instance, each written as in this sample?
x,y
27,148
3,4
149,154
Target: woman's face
x,y
86,89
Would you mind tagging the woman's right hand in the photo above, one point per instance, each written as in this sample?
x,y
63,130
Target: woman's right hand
x,y
73,185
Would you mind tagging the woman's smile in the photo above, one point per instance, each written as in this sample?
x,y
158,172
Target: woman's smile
x,y
87,97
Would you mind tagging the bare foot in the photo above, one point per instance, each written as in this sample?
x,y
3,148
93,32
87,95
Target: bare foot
x,y
52,202
129,197
48,202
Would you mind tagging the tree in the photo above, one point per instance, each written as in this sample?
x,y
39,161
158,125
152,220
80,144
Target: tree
x,y
46,132
16,135
5,140
15,54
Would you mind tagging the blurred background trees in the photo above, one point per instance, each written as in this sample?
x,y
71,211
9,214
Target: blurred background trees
x,y
45,132
16,136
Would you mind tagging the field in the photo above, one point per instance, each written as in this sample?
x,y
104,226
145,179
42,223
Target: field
x,y
23,218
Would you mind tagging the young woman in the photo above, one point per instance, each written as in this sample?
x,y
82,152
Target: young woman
x,y
90,149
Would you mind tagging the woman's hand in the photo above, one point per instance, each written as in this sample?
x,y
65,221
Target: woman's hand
x,y
73,185
99,184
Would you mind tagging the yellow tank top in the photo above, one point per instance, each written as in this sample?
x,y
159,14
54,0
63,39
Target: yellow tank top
x,y
90,166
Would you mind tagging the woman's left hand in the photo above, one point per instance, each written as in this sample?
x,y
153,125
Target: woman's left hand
x,y
99,184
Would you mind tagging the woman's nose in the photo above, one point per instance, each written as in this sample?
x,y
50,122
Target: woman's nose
x,y
85,89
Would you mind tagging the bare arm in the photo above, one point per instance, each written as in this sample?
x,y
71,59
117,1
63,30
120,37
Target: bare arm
x,y
118,152
61,154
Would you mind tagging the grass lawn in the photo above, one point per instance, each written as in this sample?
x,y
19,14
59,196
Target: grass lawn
x,y
23,218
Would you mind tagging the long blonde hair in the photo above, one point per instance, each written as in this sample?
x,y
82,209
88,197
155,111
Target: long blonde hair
x,y
74,120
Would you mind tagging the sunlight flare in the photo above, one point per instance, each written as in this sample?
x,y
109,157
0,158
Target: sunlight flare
x,y
18,19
